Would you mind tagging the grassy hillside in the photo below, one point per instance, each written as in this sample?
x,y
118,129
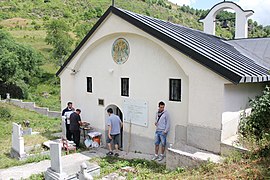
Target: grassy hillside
x,y
9,114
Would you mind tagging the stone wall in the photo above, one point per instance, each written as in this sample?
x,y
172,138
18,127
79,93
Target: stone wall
x,y
32,107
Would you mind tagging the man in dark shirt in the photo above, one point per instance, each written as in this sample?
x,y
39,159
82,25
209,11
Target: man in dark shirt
x,y
66,112
75,122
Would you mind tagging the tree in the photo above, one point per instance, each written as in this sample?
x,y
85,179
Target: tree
x,y
58,36
82,29
18,63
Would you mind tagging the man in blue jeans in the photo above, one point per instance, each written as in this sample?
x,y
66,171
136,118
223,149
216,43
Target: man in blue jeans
x,y
162,124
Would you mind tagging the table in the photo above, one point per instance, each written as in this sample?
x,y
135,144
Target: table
x,y
85,130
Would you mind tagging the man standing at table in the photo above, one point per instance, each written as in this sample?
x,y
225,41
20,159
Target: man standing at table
x,y
114,127
75,123
66,113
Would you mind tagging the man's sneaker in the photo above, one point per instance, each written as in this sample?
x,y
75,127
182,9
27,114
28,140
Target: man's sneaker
x,y
155,157
161,157
116,154
110,153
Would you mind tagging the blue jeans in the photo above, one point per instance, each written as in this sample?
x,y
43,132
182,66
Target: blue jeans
x,y
160,138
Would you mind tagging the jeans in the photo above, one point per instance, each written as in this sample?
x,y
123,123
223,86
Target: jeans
x,y
160,138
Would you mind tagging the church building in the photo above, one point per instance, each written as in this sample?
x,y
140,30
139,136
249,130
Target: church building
x,y
129,62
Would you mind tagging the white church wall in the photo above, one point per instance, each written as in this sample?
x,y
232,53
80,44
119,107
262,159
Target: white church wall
x,y
205,104
148,69
236,100
67,88
237,96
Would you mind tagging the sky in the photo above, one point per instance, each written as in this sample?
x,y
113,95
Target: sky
x,y
261,8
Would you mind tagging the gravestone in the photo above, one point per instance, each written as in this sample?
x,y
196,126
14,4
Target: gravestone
x,y
28,131
8,96
55,172
17,149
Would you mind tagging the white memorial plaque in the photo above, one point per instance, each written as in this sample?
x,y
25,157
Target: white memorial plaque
x,y
136,112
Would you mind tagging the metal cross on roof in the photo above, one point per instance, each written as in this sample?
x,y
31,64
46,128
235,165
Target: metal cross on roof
x,y
112,2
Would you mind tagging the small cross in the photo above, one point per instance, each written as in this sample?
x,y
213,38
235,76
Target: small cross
x,y
112,2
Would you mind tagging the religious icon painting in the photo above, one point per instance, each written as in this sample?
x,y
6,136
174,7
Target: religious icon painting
x,y
120,51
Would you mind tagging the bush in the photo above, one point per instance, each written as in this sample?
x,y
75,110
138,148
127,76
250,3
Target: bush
x,y
14,91
5,113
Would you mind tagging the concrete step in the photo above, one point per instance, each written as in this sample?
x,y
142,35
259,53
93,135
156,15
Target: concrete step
x,y
231,144
188,156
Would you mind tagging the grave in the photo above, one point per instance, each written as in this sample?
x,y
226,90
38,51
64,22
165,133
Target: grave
x,y
56,169
55,172
17,149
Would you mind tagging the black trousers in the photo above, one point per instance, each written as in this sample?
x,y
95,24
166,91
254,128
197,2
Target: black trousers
x,y
76,137
68,133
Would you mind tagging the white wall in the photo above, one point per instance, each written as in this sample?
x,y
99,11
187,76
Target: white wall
x,y
237,96
150,65
148,68
236,99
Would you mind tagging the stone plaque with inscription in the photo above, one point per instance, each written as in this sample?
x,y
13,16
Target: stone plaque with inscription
x,y
136,112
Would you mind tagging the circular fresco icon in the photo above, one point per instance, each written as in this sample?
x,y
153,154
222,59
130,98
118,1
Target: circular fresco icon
x,y
120,51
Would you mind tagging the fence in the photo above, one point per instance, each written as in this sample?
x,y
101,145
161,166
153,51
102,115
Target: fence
x,y
32,107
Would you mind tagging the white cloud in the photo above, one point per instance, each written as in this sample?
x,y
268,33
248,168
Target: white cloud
x,y
261,10
183,2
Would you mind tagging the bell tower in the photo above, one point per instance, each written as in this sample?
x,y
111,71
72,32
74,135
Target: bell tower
x,y
241,23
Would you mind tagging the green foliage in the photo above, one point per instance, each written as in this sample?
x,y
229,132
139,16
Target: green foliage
x,y
58,36
257,124
37,177
144,169
4,113
18,62
82,29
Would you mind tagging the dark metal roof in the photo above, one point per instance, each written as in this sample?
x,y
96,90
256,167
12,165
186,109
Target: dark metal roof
x,y
208,50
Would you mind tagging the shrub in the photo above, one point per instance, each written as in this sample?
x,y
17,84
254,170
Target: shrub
x,y
258,123
5,113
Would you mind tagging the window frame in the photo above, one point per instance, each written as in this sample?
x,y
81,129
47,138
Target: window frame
x,y
122,87
89,84
172,97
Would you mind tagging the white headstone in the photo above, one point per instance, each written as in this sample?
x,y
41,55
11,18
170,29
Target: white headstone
x,y
17,140
55,172
8,96
55,152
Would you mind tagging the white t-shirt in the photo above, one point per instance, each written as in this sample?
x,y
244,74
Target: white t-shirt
x,y
67,115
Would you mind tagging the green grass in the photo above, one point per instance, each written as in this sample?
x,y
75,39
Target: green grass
x,y
34,38
235,166
46,95
43,124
